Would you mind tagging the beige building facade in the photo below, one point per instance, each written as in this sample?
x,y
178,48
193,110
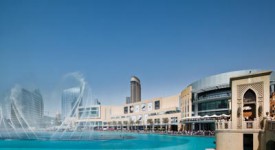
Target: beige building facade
x,y
249,104
155,113
272,105
186,105
234,104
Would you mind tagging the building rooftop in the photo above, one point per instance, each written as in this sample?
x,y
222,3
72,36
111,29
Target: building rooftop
x,y
136,79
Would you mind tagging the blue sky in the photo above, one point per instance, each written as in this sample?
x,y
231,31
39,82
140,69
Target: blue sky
x,y
167,44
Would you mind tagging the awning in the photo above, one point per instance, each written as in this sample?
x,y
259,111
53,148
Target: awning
x,y
214,116
224,115
247,108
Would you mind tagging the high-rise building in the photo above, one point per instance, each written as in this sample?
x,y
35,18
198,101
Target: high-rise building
x,y
57,119
128,100
70,101
135,90
27,109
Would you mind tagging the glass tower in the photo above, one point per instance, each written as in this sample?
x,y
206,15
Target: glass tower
x,y
69,104
27,109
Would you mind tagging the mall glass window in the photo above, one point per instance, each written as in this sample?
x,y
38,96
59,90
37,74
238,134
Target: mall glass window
x,y
157,121
213,113
88,112
125,110
213,105
157,105
174,119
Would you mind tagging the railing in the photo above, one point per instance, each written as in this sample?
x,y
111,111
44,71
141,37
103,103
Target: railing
x,y
224,95
174,122
271,125
199,120
224,124
250,125
249,100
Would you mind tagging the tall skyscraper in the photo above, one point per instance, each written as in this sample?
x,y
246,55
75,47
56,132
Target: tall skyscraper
x,y
128,100
135,90
27,109
70,101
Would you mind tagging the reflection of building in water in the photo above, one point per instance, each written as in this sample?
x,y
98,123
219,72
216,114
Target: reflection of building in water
x,y
69,101
27,109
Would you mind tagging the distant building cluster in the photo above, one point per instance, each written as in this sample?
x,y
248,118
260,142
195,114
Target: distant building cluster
x,y
27,109
195,108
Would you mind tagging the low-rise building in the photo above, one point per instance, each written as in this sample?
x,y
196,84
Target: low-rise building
x,y
163,112
197,107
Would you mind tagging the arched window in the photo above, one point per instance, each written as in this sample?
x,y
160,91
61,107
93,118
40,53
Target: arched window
x,y
270,145
249,105
249,96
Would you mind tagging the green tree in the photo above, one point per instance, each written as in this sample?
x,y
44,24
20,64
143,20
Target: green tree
x,y
126,123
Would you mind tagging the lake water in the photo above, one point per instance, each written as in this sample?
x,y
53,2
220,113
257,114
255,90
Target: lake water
x,y
108,140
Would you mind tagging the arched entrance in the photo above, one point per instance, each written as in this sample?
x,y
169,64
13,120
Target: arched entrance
x,y
249,105
270,145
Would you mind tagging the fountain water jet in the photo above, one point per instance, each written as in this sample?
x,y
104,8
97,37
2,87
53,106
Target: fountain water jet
x,y
70,118
69,129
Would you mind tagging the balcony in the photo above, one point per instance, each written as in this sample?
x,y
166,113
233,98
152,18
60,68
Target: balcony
x,y
250,125
223,125
227,125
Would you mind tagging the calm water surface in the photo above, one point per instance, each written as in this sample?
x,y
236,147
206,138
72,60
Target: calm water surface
x,y
110,140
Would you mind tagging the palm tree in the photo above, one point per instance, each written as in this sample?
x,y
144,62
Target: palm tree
x,y
137,123
109,124
165,121
157,121
131,123
126,123
120,124
114,123
150,121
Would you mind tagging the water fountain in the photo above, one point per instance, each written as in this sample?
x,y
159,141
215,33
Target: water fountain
x,y
70,134
69,129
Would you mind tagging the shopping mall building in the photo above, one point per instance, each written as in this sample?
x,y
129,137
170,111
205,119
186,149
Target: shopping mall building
x,y
196,107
